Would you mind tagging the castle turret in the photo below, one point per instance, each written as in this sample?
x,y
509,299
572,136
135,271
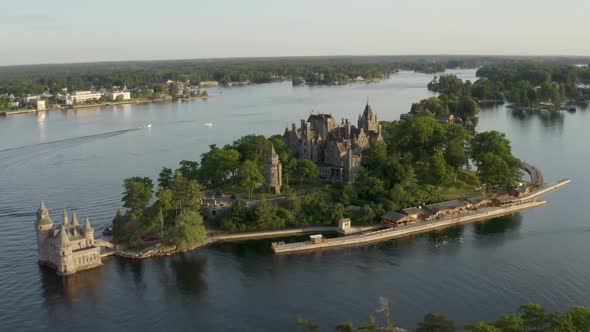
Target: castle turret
x,y
273,172
89,231
64,218
75,221
43,227
65,259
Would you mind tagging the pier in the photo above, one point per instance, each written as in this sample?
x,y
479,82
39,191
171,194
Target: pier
x,y
518,204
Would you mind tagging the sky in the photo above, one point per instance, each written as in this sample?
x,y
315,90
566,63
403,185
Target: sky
x,y
63,31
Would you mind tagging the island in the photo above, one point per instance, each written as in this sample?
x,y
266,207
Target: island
x,y
370,181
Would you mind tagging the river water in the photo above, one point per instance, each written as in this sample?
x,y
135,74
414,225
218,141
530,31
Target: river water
x,y
78,159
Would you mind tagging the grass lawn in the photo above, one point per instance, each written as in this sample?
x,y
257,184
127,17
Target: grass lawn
x,y
467,185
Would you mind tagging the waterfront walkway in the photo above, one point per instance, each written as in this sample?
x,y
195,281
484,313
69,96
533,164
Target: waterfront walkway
x,y
291,232
522,203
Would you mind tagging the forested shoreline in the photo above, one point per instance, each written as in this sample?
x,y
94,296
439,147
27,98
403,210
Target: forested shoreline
x,y
34,79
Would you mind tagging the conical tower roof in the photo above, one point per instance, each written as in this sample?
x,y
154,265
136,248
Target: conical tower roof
x,y
75,221
87,227
368,113
64,218
64,240
43,217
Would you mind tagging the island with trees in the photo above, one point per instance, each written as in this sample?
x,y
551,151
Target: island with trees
x,y
538,85
418,161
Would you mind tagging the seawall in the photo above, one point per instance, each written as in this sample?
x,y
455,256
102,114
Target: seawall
x,y
484,213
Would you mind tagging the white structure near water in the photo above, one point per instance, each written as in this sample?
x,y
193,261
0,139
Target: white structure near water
x,y
68,248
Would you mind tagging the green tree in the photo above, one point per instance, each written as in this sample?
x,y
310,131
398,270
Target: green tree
x,y
219,165
188,230
306,169
250,176
137,195
190,169
187,194
436,323
165,178
267,217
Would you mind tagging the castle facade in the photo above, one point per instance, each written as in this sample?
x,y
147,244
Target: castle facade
x,y
336,149
68,248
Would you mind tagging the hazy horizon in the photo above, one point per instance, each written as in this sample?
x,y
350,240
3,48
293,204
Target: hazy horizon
x,y
63,31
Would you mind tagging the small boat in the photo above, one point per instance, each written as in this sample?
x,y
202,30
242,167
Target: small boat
x,y
108,230
149,125
208,124
571,109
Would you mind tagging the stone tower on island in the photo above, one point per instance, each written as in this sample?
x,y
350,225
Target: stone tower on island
x,y
273,172
68,248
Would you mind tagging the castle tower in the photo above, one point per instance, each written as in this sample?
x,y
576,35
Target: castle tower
x,y
65,259
273,172
43,228
64,219
368,120
89,231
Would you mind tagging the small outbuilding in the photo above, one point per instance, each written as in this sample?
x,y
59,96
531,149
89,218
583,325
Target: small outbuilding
x,y
316,238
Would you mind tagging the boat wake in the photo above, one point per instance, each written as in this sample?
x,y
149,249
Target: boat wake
x,y
75,139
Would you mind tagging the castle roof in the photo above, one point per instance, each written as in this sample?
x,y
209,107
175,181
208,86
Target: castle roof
x,y
88,228
368,113
65,218
75,221
63,237
43,217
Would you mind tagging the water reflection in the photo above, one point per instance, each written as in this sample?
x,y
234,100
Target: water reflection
x,y
67,292
549,119
446,236
190,272
500,225
134,267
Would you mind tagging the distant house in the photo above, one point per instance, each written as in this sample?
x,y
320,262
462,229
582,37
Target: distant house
x,y
40,105
208,84
445,118
122,95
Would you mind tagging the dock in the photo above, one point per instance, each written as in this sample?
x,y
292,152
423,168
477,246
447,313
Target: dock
x,y
519,204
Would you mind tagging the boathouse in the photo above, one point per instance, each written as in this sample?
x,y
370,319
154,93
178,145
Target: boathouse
x,y
414,212
447,208
397,219
478,202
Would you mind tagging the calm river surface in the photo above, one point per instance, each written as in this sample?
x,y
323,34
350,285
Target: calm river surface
x,y
78,159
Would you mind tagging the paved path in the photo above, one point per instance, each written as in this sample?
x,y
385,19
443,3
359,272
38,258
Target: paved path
x,y
290,232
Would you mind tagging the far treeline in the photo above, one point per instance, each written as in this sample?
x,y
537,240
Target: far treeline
x,y
420,161
35,79
521,83
529,317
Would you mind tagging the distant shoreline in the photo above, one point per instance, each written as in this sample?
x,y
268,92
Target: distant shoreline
x,y
116,103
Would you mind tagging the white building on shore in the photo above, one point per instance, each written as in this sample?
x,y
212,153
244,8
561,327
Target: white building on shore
x,y
124,95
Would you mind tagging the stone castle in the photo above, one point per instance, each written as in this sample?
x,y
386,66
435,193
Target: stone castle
x,y
336,149
69,248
